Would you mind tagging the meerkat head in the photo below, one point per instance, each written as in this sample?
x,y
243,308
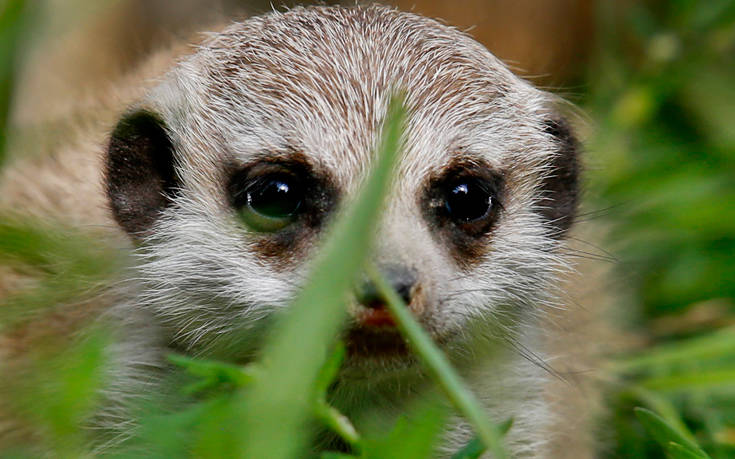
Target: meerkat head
x,y
229,171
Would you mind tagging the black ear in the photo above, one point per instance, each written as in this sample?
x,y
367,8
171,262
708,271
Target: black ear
x,y
140,177
561,185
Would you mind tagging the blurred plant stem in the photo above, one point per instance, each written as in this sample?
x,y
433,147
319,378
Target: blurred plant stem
x,y
14,20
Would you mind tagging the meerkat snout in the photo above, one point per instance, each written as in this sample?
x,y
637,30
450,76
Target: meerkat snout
x,y
374,311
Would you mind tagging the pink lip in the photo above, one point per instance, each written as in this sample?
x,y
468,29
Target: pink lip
x,y
378,317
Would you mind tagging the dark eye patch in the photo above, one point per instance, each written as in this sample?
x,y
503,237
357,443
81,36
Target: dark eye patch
x,y
140,177
560,186
271,195
462,204
465,197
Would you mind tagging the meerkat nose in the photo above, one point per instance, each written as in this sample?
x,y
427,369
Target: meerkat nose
x,y
401,278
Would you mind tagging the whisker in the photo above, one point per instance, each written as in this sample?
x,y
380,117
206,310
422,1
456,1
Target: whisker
x,y
590,256
594,246
599,212
535,359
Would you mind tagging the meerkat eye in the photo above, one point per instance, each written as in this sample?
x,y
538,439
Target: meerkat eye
x,y
281,194
465,201
270,203
276,197
468,200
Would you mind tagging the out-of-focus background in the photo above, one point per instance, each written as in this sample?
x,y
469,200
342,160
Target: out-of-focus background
x,y
654,86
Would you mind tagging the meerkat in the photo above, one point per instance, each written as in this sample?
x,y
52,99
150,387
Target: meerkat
x,y
223,170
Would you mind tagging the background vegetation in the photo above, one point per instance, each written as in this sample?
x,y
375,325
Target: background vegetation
x,y
656,87
662,102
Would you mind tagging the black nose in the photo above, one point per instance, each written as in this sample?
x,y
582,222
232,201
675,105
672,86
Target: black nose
x,y
401,278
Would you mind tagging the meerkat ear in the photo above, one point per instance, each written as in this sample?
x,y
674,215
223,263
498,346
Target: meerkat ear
x,y
139,176
561,185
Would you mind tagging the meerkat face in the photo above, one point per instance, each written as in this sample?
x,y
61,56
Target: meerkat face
x,y
229,171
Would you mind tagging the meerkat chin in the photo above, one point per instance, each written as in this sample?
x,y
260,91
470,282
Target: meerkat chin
x,y
227,171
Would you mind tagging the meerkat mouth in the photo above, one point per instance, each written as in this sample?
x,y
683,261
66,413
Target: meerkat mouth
x,y
376,316
374,333
375,342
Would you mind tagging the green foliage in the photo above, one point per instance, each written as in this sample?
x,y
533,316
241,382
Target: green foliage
x,y
475,448
67,265
12,21
678,446
412,437
299,343
57,389
438,366
663,103
58,407
212,375
472,450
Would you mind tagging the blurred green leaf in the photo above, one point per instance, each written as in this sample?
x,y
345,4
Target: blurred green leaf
x,y
329,370
665,434
211,374
13,22
710,97
677,451
413,437
279,402
59,392
439,368
329,415
710,346
471,450
663,408
71,265
696,380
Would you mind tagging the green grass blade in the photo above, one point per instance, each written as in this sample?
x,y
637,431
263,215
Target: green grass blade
x,y
281,400
68,265
330,416
413,436
471,450
212,375
439,368
57,390
664,408
476,448
329,370
337,423
711,346
696,381
664,433
677,451
12,24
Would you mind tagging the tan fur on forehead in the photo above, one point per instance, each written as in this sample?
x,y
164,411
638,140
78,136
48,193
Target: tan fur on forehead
x,y
318,79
